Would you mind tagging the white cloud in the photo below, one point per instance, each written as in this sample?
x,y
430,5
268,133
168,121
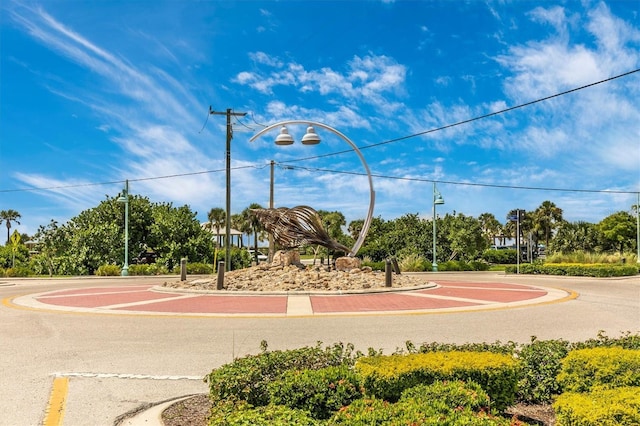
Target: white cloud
x,y
365,78
76,194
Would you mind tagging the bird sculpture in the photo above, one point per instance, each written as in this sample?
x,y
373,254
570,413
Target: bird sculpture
x,y
296,226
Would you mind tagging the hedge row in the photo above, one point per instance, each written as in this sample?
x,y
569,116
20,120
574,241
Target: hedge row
x,y
440,403
601,387
336,385
599,270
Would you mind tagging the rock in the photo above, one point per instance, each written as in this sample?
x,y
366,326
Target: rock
x,y
286,258
297,277
348,263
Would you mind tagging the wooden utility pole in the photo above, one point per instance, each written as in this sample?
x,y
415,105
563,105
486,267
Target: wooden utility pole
x,y
227,242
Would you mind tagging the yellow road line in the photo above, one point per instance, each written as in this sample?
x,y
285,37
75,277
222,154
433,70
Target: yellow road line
x,y
57,402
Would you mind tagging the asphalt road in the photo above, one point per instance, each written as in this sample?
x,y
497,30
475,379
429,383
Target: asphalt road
x,y
115,363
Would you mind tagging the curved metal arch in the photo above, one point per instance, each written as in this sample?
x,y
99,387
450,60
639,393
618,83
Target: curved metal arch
x,y
372,193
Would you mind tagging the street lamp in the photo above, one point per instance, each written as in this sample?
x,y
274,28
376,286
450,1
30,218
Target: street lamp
x,y
437,199
312,138
638,229
124,198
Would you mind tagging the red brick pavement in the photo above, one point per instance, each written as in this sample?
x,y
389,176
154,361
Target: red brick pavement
x,y
447,294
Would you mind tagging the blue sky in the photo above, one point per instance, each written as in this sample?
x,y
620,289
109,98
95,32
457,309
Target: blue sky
x,y
96,92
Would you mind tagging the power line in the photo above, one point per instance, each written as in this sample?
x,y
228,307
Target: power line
x,y
448,182
290,167
80,185
470,120
389,141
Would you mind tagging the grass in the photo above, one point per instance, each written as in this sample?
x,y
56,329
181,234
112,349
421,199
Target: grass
x,y
588,257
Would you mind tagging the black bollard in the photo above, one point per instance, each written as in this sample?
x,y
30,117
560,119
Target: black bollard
x,y
220,283
388,279
396,267
183,269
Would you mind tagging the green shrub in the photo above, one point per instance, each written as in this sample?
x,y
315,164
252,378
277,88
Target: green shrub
x,y
541,361
453,266
605,407
581,256
199,268
320,392
460,265
453,394
500,257
440,403
414,263
376,266
240,258
576,269
477,265
240,413
18,271
108,270
496,347
626,341
387,376
248,378
157,268
599,368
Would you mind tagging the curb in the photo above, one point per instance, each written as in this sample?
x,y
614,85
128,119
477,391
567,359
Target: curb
x,y
377,290
148,414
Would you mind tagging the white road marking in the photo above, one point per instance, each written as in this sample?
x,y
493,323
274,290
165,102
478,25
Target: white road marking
x,y
125,376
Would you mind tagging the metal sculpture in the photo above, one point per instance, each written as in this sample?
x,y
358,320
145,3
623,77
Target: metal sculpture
x,y
296,226
311,138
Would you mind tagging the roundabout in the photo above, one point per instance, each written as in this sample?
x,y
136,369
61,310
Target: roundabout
x,y
433,296
110,345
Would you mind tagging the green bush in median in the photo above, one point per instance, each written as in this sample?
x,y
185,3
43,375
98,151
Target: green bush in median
x,y
576,269
248,378
387,377
600,368
440,403
320,392
108,270
605,407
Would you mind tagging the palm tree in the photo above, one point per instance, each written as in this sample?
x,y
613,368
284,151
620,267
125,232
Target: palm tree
x,y
217,218
254,224
9,216
546,218
526,225
491,227
355,226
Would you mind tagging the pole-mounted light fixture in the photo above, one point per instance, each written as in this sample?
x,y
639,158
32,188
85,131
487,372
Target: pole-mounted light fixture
x,y
437,200
312,138
284,138
124,198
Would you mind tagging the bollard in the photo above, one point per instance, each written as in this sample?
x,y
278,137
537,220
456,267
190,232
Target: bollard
x,y
220,283
388,279
183,269
396,267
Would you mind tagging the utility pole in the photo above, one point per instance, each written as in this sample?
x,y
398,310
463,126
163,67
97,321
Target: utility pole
x,y
271,242
227,241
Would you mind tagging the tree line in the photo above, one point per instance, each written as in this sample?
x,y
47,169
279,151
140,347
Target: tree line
x,y
96,236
